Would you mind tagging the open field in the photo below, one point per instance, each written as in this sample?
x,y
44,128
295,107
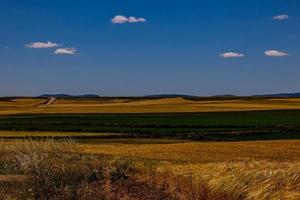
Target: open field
x,y
241,125
142,149
131,169
197,152
141,105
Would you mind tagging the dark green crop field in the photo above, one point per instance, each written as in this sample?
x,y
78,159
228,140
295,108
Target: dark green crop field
x,y
246,125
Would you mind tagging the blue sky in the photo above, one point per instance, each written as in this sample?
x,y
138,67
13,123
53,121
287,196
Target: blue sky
x,y
199,47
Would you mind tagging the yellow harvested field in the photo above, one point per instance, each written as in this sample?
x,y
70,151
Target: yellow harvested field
x,y
19,106
258,170
198,152
254,170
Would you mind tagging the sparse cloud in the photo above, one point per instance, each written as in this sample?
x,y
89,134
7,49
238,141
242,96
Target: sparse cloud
x,y
120,19
68,51
281,17
275,53
41,45
232,55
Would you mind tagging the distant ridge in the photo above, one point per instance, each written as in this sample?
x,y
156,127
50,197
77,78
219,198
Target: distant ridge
x,y
97,96
68,96
157,96
225,95
169,96
280,95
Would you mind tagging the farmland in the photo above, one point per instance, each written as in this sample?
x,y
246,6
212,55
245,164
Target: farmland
x,y
246,125
135,148
150,169
144,105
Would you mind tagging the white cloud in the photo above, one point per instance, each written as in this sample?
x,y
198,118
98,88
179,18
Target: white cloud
x,y
281,17
231,55
275,53
69,51
133,20
120,19
41,45
142,19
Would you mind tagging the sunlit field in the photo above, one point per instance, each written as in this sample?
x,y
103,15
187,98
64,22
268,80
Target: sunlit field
x,y
171,148
150,169
140,105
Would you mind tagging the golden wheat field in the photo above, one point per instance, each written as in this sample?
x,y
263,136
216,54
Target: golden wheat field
x,y
115,105
197,152
229,170
258,170
144,169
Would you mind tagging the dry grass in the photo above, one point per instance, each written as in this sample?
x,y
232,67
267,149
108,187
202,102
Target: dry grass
x,y
58,171
135,170
246,180
19,106
245,170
